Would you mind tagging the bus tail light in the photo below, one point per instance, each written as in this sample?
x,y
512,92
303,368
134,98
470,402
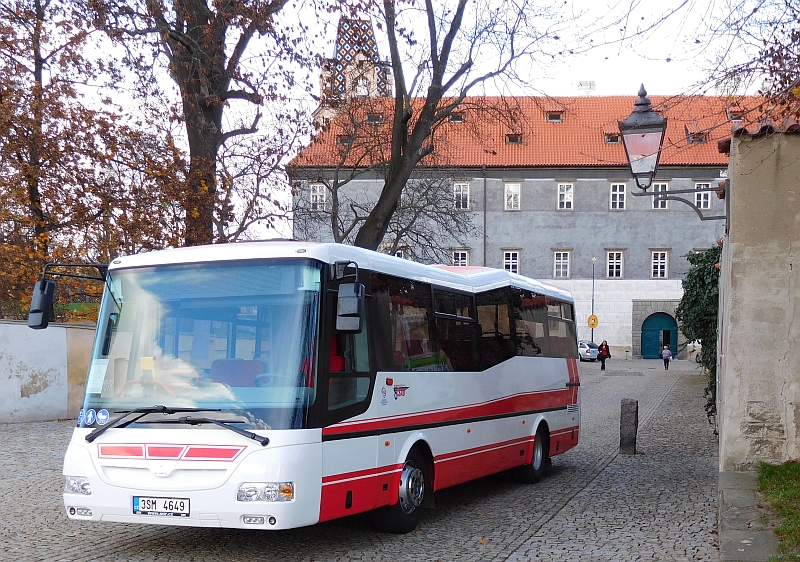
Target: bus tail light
x,y
265,492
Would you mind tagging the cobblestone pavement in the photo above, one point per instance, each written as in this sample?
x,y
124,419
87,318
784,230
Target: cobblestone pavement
x,y
596,505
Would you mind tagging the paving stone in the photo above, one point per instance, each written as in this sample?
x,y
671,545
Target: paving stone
x,y
596,505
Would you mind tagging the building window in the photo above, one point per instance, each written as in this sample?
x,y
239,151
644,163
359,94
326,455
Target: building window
x,y
343,140
461,258
702,199
612,138
362,87
618,196
614,265
514,139
457,117
512,196
565,196
461,195
511,261
561,265
316,196
374,118
555,116
659,265
657,202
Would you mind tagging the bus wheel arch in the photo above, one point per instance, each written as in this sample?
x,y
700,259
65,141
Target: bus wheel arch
x,y
416,485
539,462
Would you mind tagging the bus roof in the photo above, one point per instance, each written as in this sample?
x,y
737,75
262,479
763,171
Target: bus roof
x,y
470,278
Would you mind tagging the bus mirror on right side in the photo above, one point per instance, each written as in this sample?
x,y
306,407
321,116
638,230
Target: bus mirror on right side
x,y
349,306
41,304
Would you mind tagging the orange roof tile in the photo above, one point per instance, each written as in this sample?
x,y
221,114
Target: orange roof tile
x,y
578,141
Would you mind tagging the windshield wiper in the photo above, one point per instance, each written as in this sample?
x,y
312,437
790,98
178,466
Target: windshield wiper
x,y
221,423
124,420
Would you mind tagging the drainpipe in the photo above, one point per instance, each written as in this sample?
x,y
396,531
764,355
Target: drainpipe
x,y
483,167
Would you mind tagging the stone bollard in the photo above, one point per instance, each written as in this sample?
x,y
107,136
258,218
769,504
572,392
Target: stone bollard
x,y
628,426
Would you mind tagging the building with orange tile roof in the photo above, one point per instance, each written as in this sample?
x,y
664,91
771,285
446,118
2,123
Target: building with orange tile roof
x,y
548,187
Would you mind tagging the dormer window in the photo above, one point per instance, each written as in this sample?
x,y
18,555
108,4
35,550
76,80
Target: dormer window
x,y
554,116
457,117
513,138
612,138
696,137
736,114
343,140
374,118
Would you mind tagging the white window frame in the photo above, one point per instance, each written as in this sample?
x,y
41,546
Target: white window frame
x,y
561,264
513,199
660,204
616,198
659,264
511,260
615,262
702,199
460,258
461,195
566,196
317,195
362,87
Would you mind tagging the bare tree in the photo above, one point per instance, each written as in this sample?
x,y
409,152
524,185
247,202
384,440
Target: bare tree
x,y
336,188
204,46
464,47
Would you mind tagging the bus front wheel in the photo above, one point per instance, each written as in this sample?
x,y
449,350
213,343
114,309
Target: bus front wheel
x,y
540,459
403,516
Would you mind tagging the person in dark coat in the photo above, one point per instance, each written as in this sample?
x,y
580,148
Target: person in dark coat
x,y
603,353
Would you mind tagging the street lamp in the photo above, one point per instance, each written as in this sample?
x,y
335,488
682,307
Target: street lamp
x,y
642,136
594,259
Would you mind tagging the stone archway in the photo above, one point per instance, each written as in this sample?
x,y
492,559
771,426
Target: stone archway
x,y
659,330
644,309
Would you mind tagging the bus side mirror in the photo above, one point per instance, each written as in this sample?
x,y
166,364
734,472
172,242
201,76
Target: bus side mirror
x,y
349,306
41,304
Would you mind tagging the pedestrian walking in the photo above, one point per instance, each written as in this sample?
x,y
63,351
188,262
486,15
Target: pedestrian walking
x,y
666,355
603,353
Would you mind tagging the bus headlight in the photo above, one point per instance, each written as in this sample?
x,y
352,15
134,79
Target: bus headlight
x,y
78,485
265,492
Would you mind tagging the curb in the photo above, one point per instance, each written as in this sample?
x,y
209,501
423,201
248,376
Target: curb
x,y
743,536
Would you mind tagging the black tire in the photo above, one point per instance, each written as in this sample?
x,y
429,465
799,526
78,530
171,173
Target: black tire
x,y
403,516
540,460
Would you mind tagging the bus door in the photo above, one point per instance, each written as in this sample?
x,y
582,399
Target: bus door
x,y
348,455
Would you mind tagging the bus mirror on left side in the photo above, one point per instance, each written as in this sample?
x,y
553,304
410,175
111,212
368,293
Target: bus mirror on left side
x,y
41,304
349,306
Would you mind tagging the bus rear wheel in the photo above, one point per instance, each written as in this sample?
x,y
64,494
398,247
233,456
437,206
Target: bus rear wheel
x,y
403,516
540,460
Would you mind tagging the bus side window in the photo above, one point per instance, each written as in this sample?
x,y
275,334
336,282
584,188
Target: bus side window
x,y
530,324
494,317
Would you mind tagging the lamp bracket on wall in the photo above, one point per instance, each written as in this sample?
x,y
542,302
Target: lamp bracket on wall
x,y
722,188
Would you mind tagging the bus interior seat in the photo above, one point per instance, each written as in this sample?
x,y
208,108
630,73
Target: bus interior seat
x,y
236,372
337,361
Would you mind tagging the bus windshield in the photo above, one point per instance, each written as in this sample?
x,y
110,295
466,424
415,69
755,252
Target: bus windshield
x,y
235,337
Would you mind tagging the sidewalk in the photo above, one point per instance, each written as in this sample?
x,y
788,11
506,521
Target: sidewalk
x,y
743,536
744,533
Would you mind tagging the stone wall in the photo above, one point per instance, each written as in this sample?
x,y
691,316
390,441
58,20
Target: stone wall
x,y
42,372
758,392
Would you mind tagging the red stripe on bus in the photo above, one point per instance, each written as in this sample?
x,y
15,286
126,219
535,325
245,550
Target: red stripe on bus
x,y
165,451
117,451
502,406
199,452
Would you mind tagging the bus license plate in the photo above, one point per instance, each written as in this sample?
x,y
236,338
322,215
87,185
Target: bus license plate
x,y
165,507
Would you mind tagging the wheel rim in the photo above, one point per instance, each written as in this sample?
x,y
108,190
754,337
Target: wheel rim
x,y
538,452
412,487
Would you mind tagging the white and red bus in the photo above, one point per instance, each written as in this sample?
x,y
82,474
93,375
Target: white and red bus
x,y
270,385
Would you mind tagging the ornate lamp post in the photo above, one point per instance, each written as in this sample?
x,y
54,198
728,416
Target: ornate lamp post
x,y
642,135
594,259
